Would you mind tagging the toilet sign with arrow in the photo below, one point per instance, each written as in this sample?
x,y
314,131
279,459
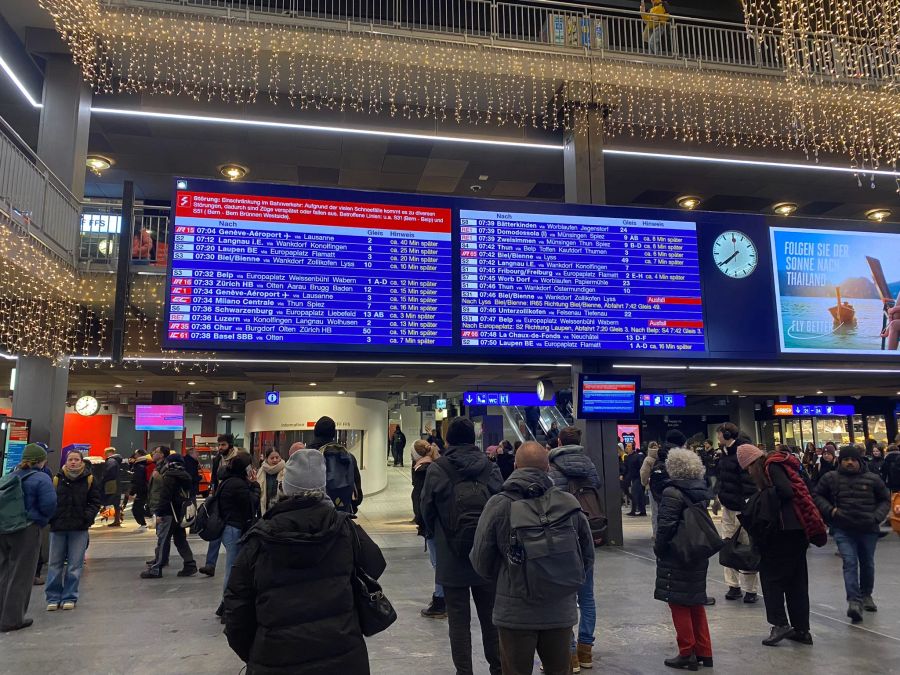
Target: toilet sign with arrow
x,y
514,398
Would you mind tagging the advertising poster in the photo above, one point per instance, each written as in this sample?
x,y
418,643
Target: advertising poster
x,y
630,435
16,440
837,291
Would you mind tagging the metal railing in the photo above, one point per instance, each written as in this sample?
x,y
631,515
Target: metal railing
x,y
536,24
100,226
35,198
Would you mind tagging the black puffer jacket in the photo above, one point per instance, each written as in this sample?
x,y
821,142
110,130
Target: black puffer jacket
x,y
176,486
470,462
570,461
238,499
78,502
139,479
289,602
676,582
861,498
735,485
419,471
659,476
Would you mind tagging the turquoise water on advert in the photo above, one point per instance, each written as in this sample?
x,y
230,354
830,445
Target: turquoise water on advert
x,y
807,324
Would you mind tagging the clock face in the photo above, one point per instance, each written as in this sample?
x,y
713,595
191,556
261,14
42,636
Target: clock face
x,y
87,406
735,254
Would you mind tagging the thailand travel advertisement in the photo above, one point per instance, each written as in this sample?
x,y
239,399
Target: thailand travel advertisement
x,y
837,291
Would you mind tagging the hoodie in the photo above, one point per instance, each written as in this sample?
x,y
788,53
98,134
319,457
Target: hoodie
x,y
470,462
512,607
289,604
570,461
175,488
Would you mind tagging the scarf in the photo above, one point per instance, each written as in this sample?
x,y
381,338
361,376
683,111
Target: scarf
x,y
73,476
278,468
804,506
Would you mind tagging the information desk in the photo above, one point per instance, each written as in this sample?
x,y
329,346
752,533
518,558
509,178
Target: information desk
x,y
575,283
271,270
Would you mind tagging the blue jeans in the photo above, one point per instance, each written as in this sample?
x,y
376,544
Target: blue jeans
x,y
212,552
588,610
62,581
858,551
432,556
231,538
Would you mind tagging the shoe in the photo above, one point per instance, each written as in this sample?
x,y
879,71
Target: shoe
x,y
868,604
705,661
734,593
631,514
150,574
710,601
115,525
436,610
683,662
801,636
576,665
220,610
208,570
150,563
52,607
643,515
751,598
585,657
25,624
187,571
854,611
68,604
777,635
142,528
39,581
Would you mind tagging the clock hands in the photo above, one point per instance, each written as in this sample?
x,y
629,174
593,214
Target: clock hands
x,y
729,259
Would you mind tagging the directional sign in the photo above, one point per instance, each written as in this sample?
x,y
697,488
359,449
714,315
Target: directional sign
x,y
787,410
505,398
273,397
663,400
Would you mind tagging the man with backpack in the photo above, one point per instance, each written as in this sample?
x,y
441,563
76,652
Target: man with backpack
x,y
344,484
571,470
174,495
535,541
457,488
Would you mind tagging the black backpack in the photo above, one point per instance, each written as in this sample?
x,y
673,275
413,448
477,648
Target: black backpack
x,y
208,523
589,498
544,551
467,501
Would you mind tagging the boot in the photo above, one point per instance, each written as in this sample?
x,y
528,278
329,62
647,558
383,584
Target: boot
x,y
576,665
208,570
683,662
802,636
854,611
751,598
734,593
151,574
705,661
189,570
436,610
585,657
777,634
868,604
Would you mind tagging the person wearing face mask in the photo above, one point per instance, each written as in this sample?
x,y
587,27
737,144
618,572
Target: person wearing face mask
x,y
78,502
269,477
854,501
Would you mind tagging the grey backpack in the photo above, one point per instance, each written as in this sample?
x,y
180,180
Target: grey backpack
x,y
544,552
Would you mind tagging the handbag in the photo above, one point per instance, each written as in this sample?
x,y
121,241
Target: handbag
x,y
696,538
374,610
739,555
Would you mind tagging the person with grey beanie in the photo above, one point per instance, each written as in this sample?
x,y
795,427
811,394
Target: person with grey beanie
x,y
289,604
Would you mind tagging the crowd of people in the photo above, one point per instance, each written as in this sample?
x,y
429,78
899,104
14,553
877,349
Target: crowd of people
x,y
510,529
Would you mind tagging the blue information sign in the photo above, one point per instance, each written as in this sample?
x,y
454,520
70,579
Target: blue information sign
x,y
663,400
273,397
825,409
505,398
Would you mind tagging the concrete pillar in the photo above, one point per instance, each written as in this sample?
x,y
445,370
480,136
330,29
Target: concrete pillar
x,y
583,169
744,415
40,395
209,421
65,122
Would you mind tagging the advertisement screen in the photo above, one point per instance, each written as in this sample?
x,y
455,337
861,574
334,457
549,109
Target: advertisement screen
x,y
836,291
262,270
565,282
603,397
159,417
17,432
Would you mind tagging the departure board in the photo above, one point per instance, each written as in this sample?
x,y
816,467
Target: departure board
x,y
259,271
576,283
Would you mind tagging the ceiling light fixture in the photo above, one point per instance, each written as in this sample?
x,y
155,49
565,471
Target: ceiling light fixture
x,y
118,386
734,391
430,381
313,384
233,171
785,208
341,392
878,215
191,383
688,202
713,384
98,163
820,391
315,127
21,87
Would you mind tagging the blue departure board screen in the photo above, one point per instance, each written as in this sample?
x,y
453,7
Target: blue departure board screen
x,y
603,397
264,271
565,282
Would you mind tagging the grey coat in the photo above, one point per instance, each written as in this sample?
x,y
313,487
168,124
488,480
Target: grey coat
x,y
512,609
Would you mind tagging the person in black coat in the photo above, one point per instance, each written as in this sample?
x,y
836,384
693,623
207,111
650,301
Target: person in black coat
x,y
192,466
78,501
424,455
683,586
289,604
633,463
169,509
139,486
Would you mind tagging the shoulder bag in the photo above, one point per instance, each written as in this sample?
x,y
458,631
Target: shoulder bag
x,y
375,611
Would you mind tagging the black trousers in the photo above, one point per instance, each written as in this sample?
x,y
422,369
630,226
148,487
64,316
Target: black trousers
x,y
785,579
139,510
459,621
554,647
638,497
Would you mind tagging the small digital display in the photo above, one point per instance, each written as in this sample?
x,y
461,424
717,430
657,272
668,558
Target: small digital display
x,y
663,400
602,397
159,417
440,404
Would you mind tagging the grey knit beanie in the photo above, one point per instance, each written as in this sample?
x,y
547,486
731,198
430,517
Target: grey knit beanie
x,y
304,472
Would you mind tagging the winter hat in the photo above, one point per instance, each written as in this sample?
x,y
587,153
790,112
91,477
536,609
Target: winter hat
x,y
238,465
747,454
461,432
34,453
325,429
304,472
676,438
850,452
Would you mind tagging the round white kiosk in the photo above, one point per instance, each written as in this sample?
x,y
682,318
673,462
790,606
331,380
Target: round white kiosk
x,y
362,427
